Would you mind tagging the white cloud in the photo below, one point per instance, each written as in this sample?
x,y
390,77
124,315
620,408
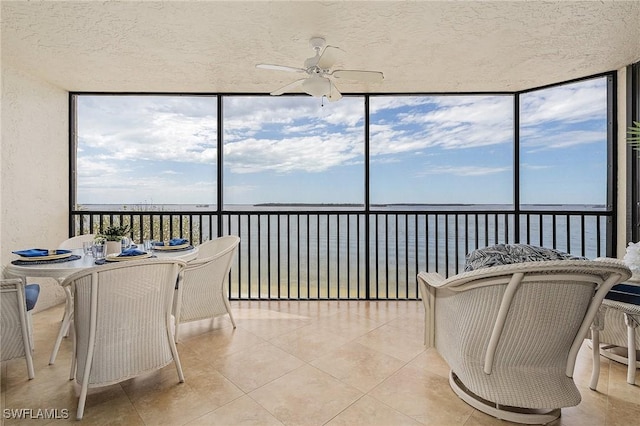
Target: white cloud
x,y
572,103
448,122
464,170
296,133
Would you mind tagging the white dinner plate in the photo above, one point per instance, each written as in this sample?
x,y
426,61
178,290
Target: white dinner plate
x,y
113,257
178,247
47,257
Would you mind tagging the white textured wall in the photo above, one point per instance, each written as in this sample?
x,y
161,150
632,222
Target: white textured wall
x,y
34,163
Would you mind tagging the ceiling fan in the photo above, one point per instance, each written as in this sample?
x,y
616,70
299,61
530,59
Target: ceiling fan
x,y
319,79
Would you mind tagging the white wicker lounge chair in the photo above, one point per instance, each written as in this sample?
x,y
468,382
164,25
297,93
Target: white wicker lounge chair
x,y
202,292
511,333
15,322
122,322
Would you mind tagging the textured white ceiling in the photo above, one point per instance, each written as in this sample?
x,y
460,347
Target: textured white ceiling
x,y
213,46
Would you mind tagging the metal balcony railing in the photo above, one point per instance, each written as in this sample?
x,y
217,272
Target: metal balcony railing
x,y
353,254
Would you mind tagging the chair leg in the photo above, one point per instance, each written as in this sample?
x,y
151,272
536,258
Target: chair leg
x,y
72,372
595,372
228,306
28,342
631,348
176,357
64,327
30,328
85,379
82,399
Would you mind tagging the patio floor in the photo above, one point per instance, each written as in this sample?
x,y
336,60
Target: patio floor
x,y
293,363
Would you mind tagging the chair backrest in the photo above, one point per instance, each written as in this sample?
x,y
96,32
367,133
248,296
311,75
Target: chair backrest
x,y
531,313
122,318
76,242
203,281
217,246
14,342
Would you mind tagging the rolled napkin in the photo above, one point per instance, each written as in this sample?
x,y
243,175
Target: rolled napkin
x,y
37,252
173,242
132,252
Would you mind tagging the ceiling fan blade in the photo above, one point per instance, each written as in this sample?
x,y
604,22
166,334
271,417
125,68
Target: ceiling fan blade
x,y
288,87
280,68
368,76
329,57
334,93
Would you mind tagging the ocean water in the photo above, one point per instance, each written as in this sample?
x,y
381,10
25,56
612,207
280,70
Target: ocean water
x,y
323,251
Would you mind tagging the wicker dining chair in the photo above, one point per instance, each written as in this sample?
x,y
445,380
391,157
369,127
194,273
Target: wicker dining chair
x,y
213,247
511,333
122,321
76,242
202,293
16,331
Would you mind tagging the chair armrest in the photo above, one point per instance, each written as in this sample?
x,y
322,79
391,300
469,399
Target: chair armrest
x,y
12,281
432,279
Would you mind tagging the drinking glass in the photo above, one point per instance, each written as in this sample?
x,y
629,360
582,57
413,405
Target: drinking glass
x,y
87,248
126,243
99,251
148,245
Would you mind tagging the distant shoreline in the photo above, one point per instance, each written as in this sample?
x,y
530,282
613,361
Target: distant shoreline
x,y
143,207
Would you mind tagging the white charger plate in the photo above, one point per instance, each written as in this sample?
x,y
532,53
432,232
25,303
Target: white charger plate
x,y
178,247
47,257
113,257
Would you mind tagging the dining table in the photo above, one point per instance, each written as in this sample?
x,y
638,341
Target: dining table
x,y
59,269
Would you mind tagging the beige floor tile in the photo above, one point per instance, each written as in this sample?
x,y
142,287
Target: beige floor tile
x,y
424,396
359,366
218,343
242,411
153,383
256,366
306,396
346,323
309,342
479,418
370,412
621,412
590,411
170,405
352,346
399,343
215,387
191,329
117,411
268,323
430,360
618,388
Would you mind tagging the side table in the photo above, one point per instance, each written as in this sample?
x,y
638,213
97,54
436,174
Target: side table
x,y
622,302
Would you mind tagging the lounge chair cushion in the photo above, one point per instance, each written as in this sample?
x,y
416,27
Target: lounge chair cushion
x,y
506,254
31,293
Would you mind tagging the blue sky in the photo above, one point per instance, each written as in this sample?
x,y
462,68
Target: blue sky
x,y
298,149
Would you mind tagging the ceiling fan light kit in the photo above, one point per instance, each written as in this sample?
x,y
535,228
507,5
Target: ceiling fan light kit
x,y
316,86
319,81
